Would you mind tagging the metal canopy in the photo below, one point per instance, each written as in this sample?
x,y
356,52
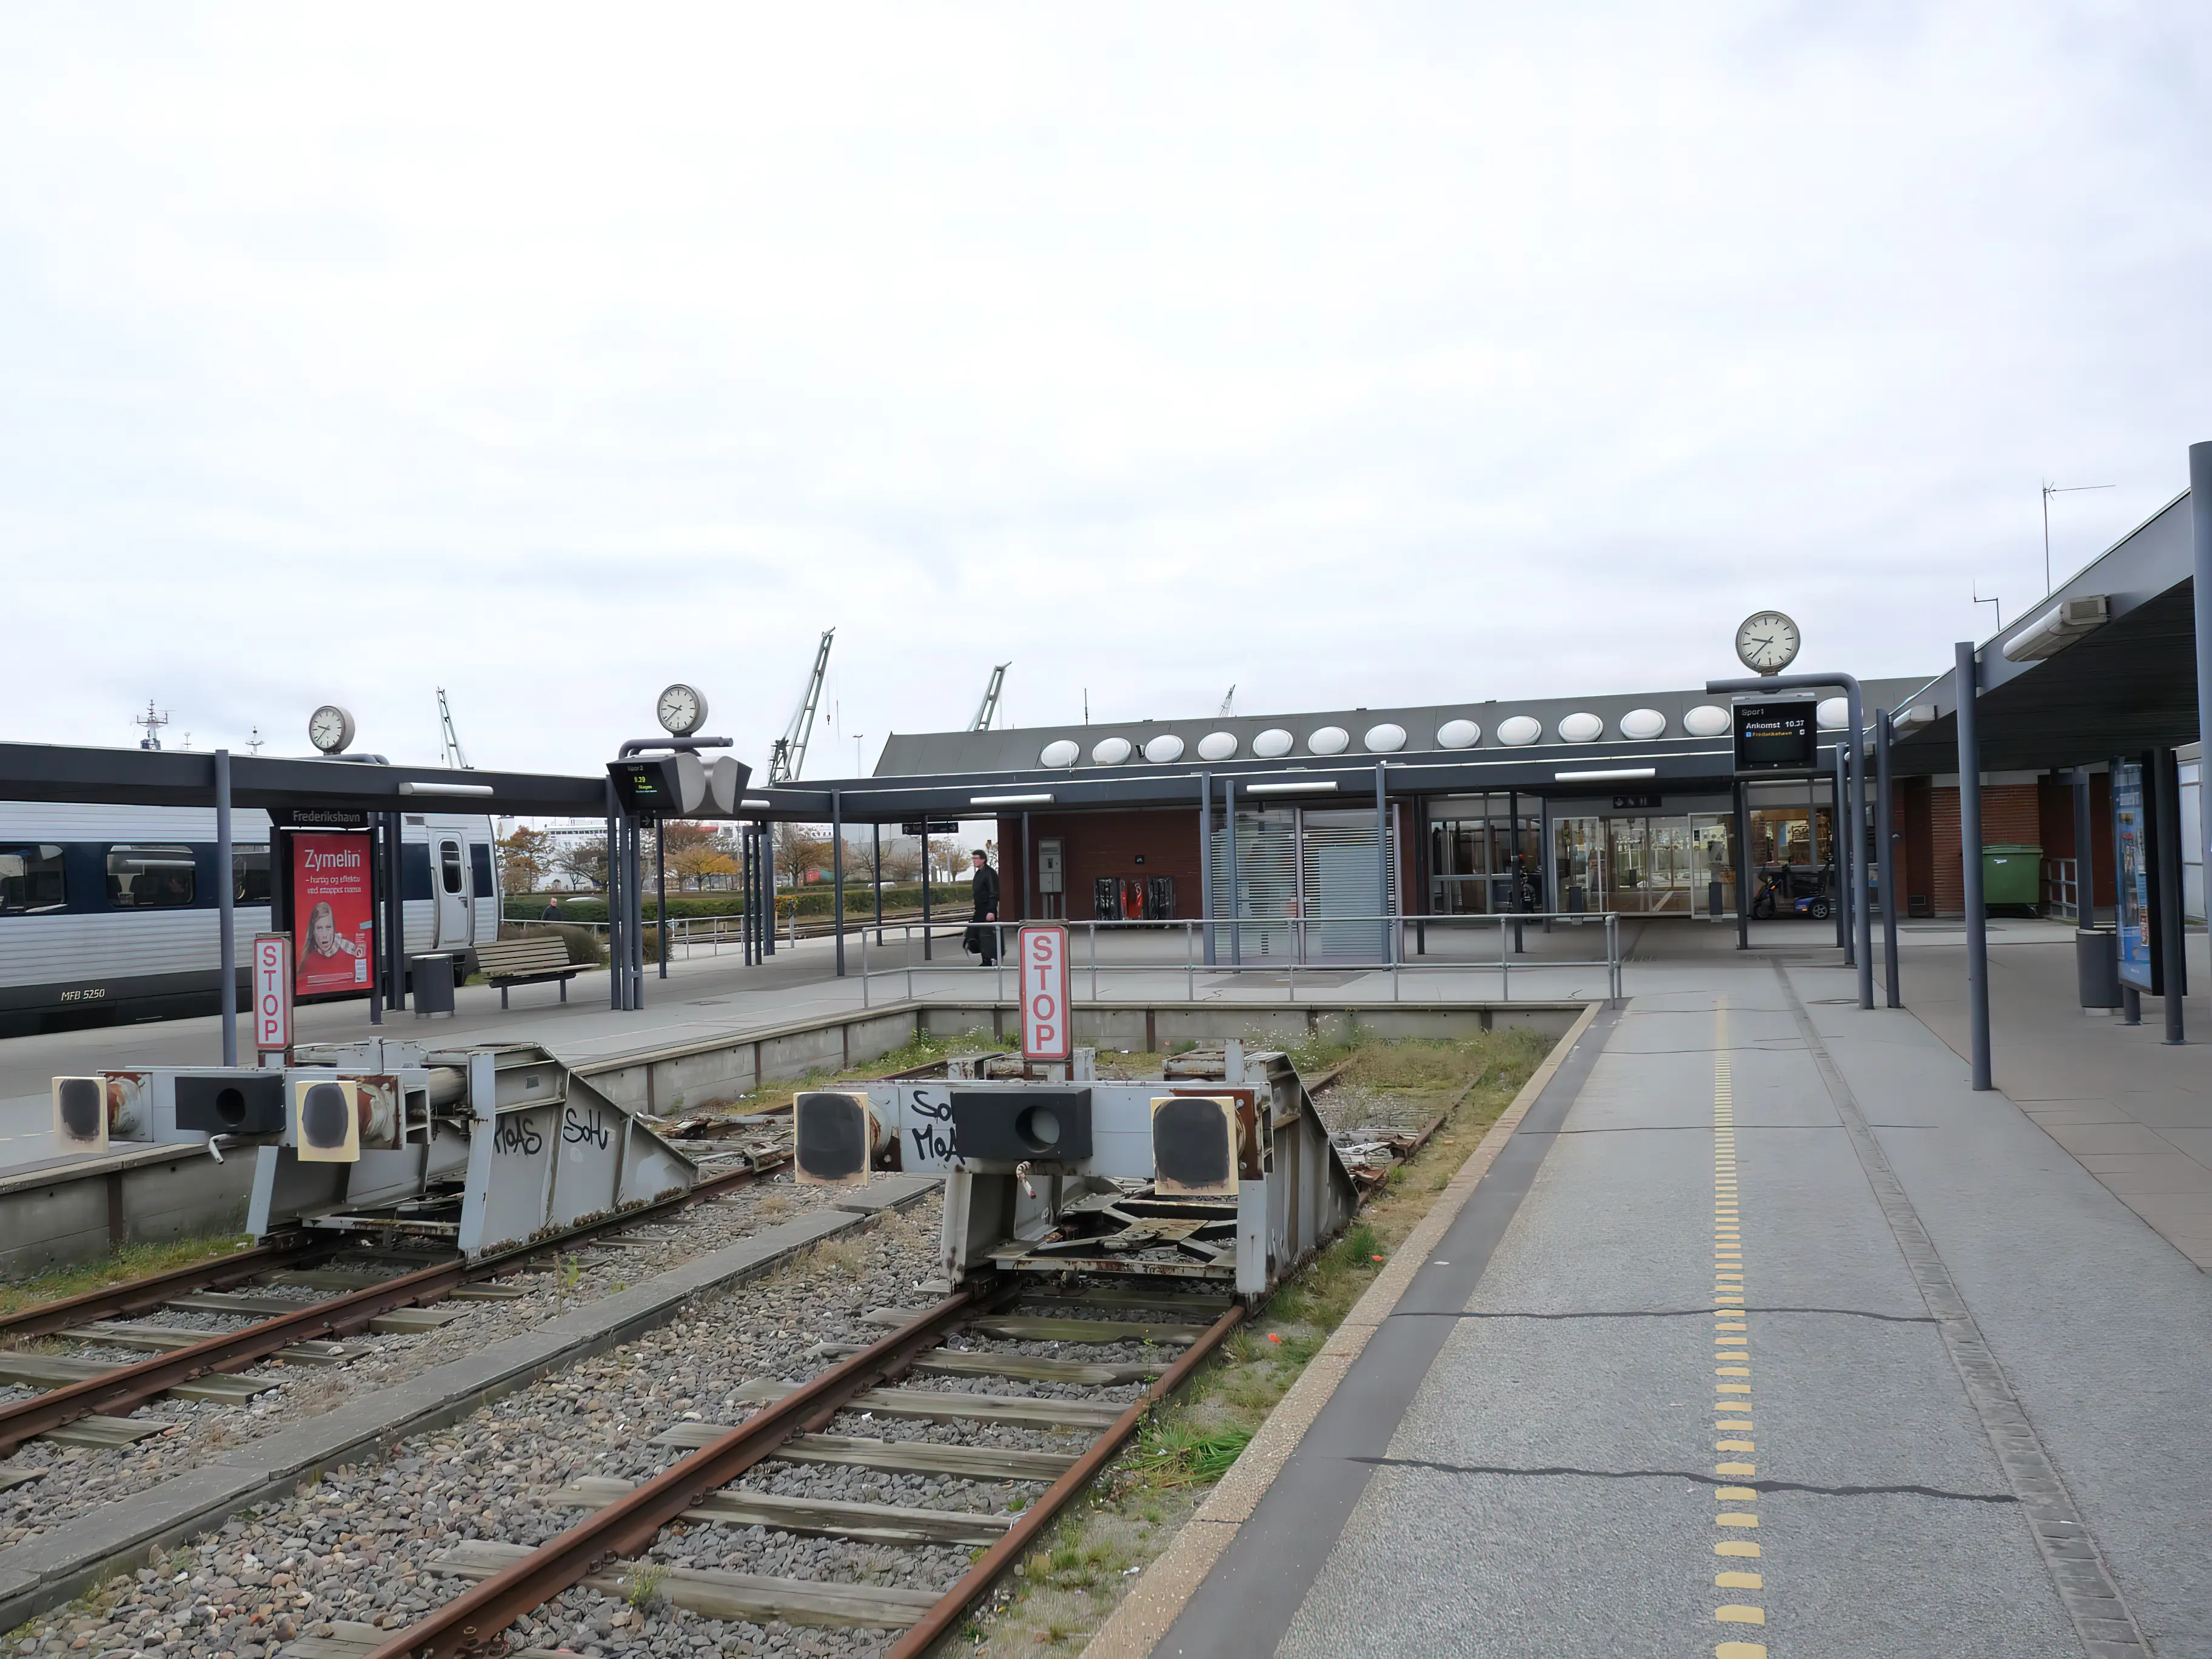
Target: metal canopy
x,y
148,777
2128,685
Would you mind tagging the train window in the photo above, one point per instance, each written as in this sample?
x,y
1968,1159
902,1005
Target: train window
x,y
480,878
449,865
149,878
31,883
249,875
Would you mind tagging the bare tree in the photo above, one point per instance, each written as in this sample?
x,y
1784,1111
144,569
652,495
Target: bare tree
x,y
586,861
801,850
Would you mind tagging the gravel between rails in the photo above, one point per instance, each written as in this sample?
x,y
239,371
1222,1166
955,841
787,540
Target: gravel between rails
x,y
359,1546
83,1477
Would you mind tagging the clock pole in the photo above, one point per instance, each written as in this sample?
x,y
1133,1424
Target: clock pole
x,y
1855,778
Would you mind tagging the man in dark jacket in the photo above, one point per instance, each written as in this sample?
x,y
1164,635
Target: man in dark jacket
x,y
985,886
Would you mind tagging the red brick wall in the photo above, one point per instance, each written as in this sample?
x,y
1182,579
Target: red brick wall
x,y
2011,812
1098,844
2058,802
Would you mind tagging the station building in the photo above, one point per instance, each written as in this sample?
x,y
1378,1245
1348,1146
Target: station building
x,y
1621,803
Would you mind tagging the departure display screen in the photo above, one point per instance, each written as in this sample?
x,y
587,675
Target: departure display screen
x,y
1777,737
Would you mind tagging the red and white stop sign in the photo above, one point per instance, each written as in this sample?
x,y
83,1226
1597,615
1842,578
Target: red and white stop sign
x,y
272,991
1048,1022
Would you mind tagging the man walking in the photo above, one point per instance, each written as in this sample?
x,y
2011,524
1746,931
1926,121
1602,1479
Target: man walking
x,y
985,886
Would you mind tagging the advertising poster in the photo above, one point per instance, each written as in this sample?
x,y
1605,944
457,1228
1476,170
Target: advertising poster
x,y
330,914
2131,849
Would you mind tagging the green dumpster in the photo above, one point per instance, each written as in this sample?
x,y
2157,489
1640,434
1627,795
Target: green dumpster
x,y
2012,875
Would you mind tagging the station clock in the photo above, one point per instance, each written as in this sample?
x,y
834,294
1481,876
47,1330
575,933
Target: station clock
x,y
330,728
1767,643
682,709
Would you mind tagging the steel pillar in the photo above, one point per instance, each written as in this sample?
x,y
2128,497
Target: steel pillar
x,y
1967,678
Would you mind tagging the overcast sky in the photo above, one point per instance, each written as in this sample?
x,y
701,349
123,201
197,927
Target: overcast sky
x,y
1353,355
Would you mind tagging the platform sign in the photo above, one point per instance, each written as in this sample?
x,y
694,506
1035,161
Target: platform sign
x,y
2137,890
272,991
1048,1022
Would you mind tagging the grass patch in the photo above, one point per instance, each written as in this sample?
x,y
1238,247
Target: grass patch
x,y
127,1261
1092,1554
920,1051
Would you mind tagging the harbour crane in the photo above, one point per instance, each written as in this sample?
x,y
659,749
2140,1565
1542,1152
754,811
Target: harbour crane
x,y
988,709
449,740
786,756
1228,702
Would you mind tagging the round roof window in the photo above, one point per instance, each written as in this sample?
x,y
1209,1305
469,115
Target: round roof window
x,y
1458,734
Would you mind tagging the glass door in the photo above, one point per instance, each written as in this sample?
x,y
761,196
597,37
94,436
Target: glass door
x,y
1579,864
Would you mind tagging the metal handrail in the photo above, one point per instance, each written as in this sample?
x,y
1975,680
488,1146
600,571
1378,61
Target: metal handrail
x,y
1506,922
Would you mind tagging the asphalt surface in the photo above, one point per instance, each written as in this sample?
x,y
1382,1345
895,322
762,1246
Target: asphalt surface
x,y
1555,1484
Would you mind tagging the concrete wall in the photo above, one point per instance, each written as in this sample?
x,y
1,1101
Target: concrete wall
x,y
52,1219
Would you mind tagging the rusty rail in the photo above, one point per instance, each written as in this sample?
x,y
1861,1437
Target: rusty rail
x,y
138,1296
940,1620
474,1618
132,1385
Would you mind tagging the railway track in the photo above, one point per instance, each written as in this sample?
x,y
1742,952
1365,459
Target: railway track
x,y
1007,1397
300,1299
934,1397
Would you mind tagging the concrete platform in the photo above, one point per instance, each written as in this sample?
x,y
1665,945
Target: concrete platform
x,y
1956,1336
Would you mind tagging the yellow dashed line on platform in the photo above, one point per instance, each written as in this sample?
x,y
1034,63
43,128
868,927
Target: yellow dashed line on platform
x,y
1731,1358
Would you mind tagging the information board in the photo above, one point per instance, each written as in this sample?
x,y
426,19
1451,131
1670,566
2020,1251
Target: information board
x,y
1047,1023
272,991
330,908
2137,889
1777,737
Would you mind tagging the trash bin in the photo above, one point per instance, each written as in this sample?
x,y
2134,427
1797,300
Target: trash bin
x,y
2012,874
2097,964
434,983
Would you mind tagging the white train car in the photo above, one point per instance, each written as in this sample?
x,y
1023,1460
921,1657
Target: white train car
x,y
108,914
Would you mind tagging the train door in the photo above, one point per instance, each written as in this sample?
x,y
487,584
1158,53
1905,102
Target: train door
x,y
450,884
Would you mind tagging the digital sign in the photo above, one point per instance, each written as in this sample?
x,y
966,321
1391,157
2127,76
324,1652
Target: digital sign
x,y
1777,737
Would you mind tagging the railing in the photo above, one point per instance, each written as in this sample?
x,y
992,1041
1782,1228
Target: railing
x,y
1509,927
2062,888
1395,931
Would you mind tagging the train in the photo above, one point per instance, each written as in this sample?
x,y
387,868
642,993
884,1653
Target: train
x,y
108,914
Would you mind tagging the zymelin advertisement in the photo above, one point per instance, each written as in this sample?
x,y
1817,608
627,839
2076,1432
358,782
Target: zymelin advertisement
x,y
330,914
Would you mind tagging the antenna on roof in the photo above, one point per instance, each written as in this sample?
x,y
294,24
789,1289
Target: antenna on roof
x,y
153,723
1228,704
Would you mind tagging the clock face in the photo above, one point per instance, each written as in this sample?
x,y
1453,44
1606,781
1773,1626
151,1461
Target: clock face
x,y
682,710
330,728
1767,643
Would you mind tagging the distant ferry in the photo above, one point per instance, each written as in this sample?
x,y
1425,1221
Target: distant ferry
x,y
107,913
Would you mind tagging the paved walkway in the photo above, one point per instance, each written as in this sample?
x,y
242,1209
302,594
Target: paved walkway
x,y
2135,1113
1691,1393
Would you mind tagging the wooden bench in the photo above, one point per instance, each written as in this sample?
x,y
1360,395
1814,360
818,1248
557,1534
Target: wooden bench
x,y
509,962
